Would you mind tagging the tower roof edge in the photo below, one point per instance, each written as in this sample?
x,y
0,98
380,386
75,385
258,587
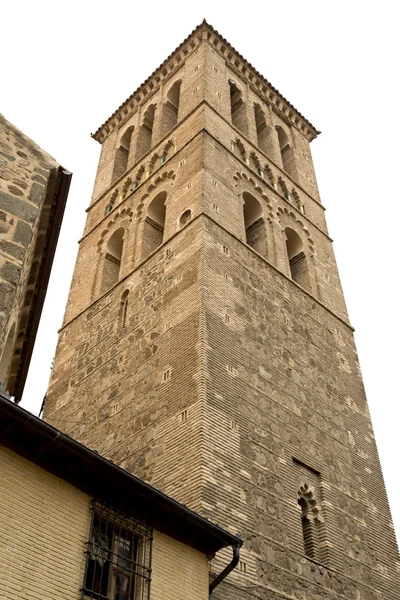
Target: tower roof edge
x,y
102,132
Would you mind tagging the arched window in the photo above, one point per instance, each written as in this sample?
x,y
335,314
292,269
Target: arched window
x,y
185,217
145,132
122,154
123,309
297,259
153,228
112,260
7,356
310,521
307,525
287,154
171,108
238,108
254,225
263,131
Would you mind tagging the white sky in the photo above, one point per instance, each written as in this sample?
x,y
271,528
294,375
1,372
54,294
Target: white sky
x,y
65,67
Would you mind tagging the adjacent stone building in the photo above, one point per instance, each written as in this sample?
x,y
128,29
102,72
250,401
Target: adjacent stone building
x,y
74,525
33,193
206,345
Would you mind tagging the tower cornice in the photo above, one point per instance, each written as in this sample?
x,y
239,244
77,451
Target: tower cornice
x,y
205,32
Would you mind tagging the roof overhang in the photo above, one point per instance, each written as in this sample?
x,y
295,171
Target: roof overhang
x,y
66,458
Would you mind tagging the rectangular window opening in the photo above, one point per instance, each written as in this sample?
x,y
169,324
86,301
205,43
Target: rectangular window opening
x,y
118,557
167,375
242,566
231,369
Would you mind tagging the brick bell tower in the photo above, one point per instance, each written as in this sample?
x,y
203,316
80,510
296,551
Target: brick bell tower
x,y
206,345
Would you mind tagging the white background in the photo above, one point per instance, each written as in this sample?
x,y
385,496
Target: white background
x,y
65,67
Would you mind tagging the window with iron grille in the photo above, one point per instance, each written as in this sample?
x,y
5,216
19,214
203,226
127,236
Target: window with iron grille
x,y
118,557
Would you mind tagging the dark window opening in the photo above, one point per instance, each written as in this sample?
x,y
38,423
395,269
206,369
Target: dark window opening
x,y
254,225
118,557
122,154
145,132
123,309
297,259
153,227
263,131
287,153
308,525
238,108
171,108
112,260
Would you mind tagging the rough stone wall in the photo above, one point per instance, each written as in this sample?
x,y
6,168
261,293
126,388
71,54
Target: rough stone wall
x,y
26,175
231,387
141,383
284,389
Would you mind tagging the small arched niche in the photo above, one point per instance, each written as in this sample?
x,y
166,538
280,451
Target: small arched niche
x,y
153,227
112,260
238,108
185,217
122,153
171,108
6,356
256,235
297,259
145,132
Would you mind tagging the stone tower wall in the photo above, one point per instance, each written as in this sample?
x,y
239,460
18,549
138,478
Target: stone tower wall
x,y
217,377
285,407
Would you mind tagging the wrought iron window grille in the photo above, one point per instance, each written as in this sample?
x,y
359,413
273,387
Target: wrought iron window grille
x,y
118,557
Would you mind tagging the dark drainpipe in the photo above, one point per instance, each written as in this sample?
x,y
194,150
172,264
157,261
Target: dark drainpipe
x,y
227,570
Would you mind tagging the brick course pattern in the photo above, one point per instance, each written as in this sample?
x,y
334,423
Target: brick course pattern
x,y
45,525
233,384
